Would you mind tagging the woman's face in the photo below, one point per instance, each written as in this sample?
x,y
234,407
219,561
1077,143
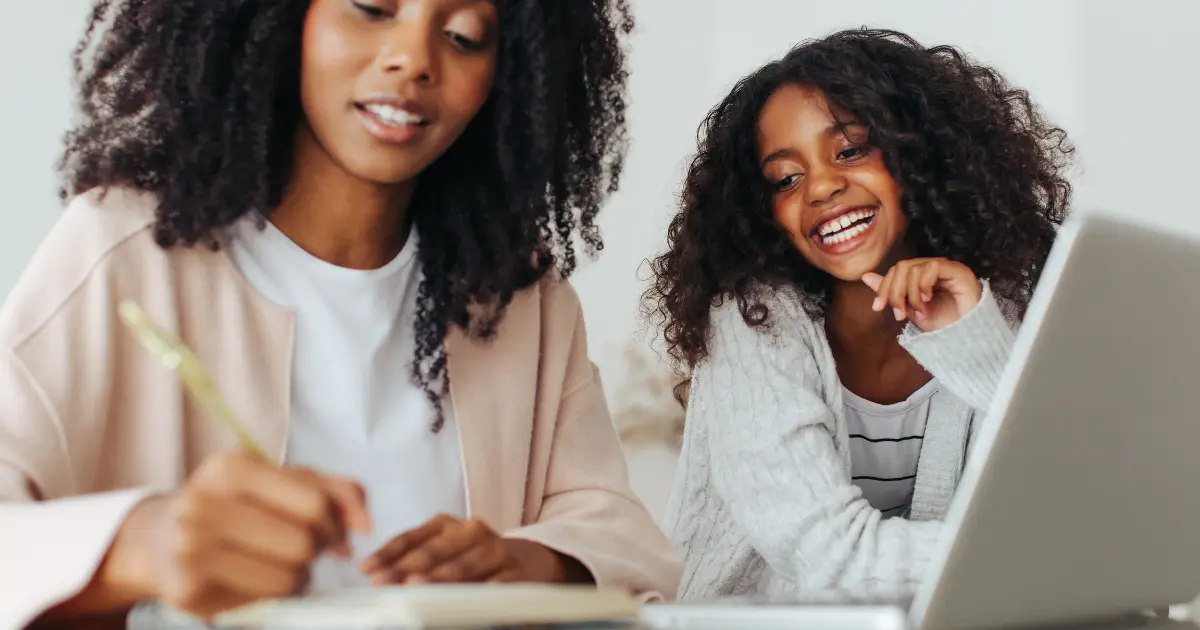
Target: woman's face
x,y
831,192
387,86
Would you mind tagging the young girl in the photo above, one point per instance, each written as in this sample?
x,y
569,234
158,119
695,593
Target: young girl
x,y
356,213
863,220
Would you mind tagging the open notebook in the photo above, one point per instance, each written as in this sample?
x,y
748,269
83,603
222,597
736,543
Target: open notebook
x,y
439,606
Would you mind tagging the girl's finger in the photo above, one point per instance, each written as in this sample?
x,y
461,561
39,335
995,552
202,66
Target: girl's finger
x,y
883,291
929,279
916,299
898,290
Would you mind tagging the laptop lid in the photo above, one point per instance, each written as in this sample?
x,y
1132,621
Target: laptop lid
x,y
1081,497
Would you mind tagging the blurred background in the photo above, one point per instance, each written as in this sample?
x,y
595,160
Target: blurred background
x,y
1120,76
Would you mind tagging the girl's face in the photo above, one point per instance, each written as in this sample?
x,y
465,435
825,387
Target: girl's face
x,y
831,192
387,86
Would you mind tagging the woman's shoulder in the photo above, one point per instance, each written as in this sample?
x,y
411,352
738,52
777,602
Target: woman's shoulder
x,y
96,224
100,235
557,299
103,218
549,308
547,314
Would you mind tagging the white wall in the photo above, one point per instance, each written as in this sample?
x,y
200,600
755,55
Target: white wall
x,y
1141,87
1040,56
36,41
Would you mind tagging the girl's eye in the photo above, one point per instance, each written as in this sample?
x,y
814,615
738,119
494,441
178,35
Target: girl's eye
x,y
851,153
787,182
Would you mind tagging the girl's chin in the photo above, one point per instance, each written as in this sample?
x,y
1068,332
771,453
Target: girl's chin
x,y
853,270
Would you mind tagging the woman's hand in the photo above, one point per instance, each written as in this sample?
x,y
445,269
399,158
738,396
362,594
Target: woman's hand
x,y
240,530
932,292
447,549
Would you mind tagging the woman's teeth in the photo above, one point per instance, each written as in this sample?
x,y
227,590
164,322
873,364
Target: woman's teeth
x,y
394,117
843,228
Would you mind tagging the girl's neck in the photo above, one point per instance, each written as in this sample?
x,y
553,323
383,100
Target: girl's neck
x,y
852,325
866,346
337,217
869,358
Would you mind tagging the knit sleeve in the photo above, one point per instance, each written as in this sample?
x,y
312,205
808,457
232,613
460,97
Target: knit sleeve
x,y
969,356
774,461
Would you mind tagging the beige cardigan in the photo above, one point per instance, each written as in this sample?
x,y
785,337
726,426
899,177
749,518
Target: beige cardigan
x,y
86,415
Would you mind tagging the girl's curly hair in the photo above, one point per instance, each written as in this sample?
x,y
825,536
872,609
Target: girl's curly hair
x,y
981,170
196,101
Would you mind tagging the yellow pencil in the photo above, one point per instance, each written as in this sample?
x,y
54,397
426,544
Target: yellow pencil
x,y
177,357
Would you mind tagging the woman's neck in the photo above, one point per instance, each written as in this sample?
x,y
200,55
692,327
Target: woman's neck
x,y
337,217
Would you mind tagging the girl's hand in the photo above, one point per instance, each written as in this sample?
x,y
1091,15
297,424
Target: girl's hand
x,y
447,549
932,292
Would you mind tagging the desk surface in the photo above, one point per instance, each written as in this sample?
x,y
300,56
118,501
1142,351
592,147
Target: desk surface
x,y
1140,624
1128,624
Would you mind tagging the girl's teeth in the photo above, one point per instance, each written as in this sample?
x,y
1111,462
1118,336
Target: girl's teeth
x,y
393,116
846,235
838,230
845,221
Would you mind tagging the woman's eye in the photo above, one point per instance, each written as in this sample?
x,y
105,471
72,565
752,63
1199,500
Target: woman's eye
x,y
371,11
465,42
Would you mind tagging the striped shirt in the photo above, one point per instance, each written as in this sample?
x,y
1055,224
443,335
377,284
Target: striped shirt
x,y
885,444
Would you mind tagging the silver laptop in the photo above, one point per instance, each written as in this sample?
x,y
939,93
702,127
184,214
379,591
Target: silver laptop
x,y
1081,498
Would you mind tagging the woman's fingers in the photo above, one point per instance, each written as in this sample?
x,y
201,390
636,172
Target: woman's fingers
x,y
397,547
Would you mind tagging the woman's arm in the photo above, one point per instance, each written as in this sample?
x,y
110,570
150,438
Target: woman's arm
x,y
589,511
51,549
774,462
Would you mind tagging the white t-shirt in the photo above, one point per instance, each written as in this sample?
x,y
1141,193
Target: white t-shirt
x,y
355,412
885,446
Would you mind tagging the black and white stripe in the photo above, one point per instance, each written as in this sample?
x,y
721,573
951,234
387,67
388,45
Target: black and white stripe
x,y
885,445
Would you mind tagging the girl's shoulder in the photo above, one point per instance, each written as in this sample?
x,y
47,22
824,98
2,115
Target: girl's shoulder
x,y
774,317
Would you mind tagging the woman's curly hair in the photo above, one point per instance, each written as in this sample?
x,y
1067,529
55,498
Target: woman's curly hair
x,y
196,101
980,169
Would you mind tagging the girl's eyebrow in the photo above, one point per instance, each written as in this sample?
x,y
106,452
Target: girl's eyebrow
x,y
775,155
836,128
839,128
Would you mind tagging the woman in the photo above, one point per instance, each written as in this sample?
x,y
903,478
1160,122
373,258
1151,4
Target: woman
x,y
358,214
863,220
